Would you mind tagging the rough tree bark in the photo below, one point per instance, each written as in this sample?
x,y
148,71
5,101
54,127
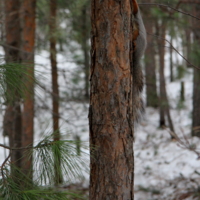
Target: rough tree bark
x,y
28,42
196,79
55,89
12,117
111,99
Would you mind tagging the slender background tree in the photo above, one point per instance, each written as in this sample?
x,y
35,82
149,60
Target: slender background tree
x,y
150,61
196,79
28,10
54,77
12,117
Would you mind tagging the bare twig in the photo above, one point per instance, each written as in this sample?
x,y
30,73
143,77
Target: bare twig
x,y
187,2
11,148
171,46
4,164
48,143
167,6
184,143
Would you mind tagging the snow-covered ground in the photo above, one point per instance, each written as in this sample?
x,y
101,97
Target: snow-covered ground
x,y
163,168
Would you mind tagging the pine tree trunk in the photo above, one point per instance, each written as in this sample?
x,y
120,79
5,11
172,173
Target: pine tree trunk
x,y
164,104
111,100
188,33
161,50
55,90
171,62
182,92
150,67
28,41
196,79
12,118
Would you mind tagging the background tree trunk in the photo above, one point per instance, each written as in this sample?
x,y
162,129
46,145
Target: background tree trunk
x,y
28,41
196,79
164,104
55,90
161,52
150,65
111,109
12,117
171,62
182,92
85,46
188,42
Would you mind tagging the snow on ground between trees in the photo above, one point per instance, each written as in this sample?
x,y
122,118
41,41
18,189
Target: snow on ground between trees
x,y
163,169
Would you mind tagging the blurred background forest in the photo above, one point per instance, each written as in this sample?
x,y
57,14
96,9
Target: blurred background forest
x,y
44,85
